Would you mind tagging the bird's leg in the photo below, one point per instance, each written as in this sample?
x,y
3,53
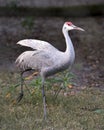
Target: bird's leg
x,y
44,99
21,92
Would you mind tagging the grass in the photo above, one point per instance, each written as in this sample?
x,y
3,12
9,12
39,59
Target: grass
x,y
80,109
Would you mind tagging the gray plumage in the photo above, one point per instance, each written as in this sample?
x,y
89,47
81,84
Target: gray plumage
x,y
45,58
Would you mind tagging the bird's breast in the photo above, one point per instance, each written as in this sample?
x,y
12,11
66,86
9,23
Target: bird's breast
x,y
49,71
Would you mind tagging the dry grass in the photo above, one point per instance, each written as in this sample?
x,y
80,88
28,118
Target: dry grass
x,y
83,110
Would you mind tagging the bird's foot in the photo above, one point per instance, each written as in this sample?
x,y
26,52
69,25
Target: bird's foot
x,y
31,76
19,98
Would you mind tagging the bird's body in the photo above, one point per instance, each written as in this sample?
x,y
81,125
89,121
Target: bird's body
x,y
46,62
45,58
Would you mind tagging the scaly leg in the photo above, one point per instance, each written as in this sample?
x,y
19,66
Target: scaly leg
x,y
44,99
22,83
21,92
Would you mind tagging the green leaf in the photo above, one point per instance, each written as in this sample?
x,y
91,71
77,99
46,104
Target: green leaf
x,y
99,111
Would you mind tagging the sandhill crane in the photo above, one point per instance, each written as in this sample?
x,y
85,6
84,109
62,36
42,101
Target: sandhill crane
x,y
45,58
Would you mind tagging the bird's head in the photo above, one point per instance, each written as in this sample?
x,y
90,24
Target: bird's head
x,y
69,26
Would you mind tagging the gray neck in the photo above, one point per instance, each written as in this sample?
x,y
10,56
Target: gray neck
x,y
70,53
67,58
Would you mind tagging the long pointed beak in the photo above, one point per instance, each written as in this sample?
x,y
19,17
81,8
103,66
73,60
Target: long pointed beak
x,y
78,28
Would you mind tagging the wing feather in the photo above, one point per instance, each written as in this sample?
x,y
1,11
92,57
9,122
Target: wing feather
x,y
34,60
36,44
